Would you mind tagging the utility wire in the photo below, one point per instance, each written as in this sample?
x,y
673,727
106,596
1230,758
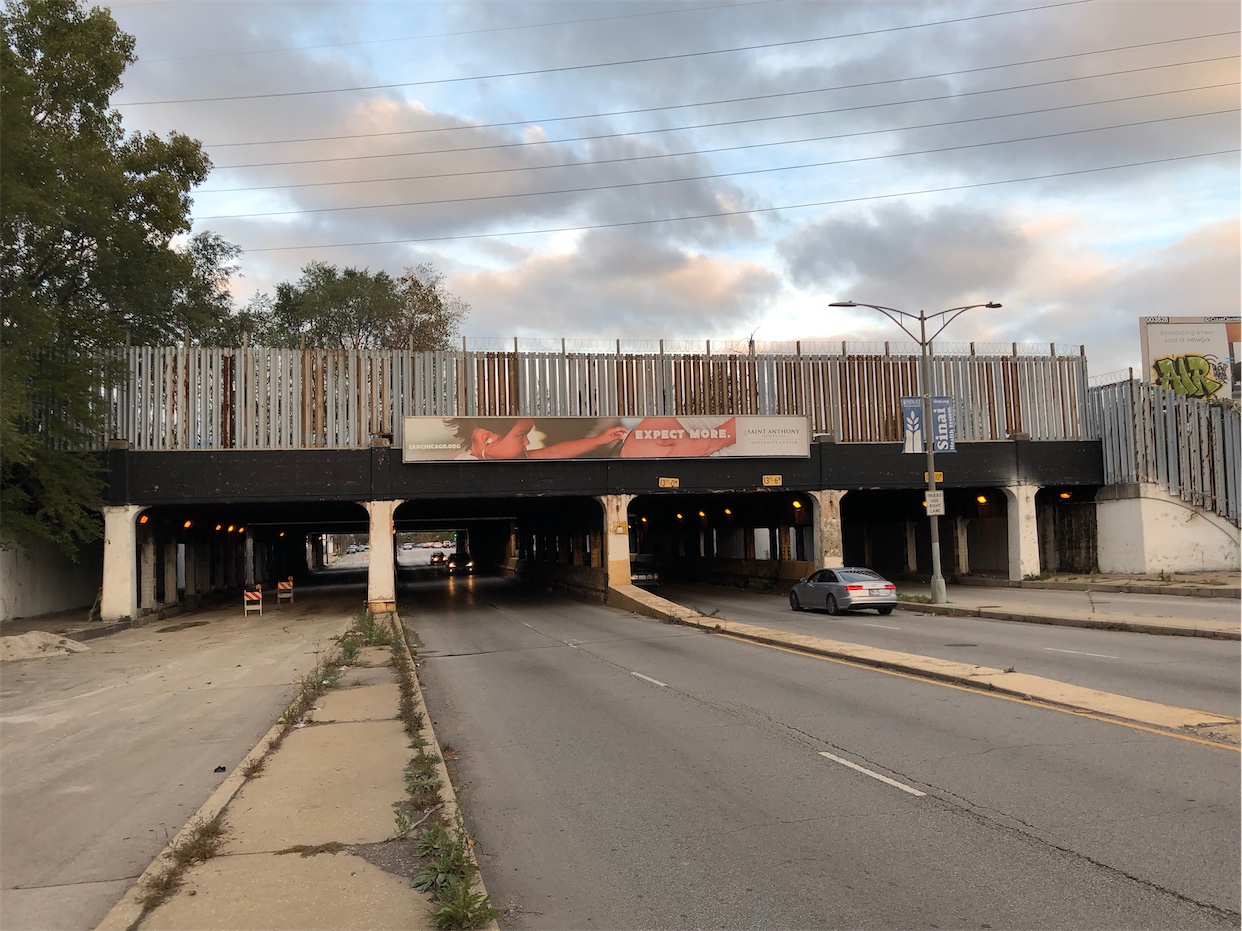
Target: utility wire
x,y
751,99
736,213
596,65
693,126
718,149
715,176
463,32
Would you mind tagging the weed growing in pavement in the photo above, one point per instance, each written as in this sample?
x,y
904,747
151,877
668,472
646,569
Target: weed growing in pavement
x,y
350,648
254,768
404,824
199,844
373,633
461,907
917,599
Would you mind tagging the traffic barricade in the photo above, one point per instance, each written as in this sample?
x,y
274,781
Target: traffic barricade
x,y
284,591
253,600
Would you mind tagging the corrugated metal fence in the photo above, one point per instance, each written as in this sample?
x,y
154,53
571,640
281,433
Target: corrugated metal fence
x,y
262,398
1152,434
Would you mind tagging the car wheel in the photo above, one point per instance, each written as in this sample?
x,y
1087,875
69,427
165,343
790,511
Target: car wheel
x,y
831,605
887,609
794,602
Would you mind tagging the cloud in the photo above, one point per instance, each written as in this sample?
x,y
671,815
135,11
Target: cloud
x,y
895,255
613,284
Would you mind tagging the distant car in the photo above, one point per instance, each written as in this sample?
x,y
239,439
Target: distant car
x,y
458,562
837,590
642,574
352,548
407,546
438,559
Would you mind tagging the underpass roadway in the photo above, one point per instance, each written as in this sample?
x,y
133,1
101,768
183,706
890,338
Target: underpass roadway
x,y
621,771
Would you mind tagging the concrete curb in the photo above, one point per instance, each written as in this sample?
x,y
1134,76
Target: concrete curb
x,y
1062,621
981,679
1130,588
127,913
448,793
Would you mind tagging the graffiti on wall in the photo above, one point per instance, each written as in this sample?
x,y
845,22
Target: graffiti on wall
x,y
1193,375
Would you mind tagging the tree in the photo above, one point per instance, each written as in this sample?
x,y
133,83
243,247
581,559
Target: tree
x,y
355,309
88,217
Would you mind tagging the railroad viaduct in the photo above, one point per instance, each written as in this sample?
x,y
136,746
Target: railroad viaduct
x,y
226,467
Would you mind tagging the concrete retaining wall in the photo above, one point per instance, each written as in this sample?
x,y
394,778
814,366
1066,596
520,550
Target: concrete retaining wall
x,y
36,578
580,581
1144,529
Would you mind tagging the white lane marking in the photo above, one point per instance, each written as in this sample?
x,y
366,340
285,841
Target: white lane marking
x,y
662,685
884,626
570,643
1080,653
867,772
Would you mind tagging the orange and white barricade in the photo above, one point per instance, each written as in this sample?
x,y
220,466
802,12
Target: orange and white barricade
x,y
284,591
253,600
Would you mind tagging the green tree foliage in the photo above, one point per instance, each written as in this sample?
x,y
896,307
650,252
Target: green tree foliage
x,y
331,308
88,215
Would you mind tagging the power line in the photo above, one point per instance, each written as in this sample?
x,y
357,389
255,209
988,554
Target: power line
x,y
595,65
717,175
737,213
751,99
693,126
450,35
718,149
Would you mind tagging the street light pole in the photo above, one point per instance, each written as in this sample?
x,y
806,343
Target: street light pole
x,y
939,594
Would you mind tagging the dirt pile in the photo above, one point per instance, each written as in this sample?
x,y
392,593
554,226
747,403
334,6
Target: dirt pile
x,y
38,643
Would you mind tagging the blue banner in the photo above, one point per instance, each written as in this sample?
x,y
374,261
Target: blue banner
x,y
944,434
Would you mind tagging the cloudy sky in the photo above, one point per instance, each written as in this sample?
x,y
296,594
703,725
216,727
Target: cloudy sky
x,y
708,170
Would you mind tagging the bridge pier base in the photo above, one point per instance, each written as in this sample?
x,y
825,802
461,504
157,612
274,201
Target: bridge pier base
x,y
382,572
826,508
120,564
617,538
1023,531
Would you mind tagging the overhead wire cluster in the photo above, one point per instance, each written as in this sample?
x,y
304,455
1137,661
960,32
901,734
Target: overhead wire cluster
x,y
464,131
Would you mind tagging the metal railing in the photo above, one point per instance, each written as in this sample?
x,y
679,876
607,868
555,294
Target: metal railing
x,y
264,398
1188,447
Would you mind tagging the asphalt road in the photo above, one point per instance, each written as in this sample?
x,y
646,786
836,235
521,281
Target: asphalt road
x,y
1193,672
105,755
622,773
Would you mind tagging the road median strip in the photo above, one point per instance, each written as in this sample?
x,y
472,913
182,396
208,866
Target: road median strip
x,y
983,678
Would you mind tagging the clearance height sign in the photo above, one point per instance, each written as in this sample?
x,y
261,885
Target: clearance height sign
x,y
439,439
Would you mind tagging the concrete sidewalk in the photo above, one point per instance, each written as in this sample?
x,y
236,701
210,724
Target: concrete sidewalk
x,y
1091,608
311,840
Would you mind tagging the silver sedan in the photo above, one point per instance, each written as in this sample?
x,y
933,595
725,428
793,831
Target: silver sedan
x,y
837,590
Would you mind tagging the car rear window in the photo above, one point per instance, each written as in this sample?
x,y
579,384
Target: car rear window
x,y
859,575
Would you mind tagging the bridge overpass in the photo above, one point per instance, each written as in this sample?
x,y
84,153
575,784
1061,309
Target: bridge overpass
x,y
226,466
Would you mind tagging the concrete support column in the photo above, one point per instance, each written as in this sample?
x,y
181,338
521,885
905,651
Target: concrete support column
x,y
597,548
826,526
146,573
170,573
248,575
382,574
912,548
575,549
120,563
1023,531
191,571
617,538
961,550
867,560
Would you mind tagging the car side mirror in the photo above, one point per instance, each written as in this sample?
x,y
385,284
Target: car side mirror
x,y
803,580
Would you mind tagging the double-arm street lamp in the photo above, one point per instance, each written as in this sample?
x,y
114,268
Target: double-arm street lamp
x,y
944,318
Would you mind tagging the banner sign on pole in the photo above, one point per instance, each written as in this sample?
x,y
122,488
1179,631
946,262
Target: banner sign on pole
x,y
944,433
431,439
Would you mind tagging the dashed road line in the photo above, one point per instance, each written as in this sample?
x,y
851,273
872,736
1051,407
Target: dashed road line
x,y
1080,653
662,685
873,775
882,626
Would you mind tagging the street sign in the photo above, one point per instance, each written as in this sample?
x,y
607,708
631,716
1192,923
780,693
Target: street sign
x,y
670,482
939,477
772,480
935,504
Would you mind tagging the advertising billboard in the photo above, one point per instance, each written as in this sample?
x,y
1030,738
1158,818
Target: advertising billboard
x,y
944,433
439,439
1194,356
